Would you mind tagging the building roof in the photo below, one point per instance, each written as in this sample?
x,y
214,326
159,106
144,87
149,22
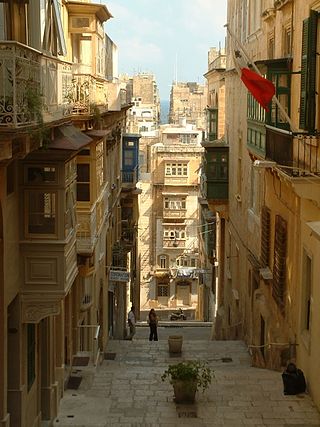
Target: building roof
x,y
99,10
68,137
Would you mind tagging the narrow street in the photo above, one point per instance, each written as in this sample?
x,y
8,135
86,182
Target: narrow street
x,y
126,389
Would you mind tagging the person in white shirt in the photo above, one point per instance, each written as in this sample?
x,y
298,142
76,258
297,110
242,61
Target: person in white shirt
x,y
131,323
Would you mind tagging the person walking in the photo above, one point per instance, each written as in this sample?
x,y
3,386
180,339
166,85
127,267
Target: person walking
x,y
131,323
153,324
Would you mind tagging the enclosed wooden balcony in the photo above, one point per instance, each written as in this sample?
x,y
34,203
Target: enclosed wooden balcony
x,y
215,181
297,156
30,86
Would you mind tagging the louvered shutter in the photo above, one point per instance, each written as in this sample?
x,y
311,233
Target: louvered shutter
x,y
279,261
265,236
308,72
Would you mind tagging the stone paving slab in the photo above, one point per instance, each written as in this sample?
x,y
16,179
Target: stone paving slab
x,y
127,391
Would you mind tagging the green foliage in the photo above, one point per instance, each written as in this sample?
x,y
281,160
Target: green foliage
x,y
34,105
196,371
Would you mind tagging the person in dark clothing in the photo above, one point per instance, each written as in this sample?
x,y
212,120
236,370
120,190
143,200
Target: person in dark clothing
x,y
293,380
153,324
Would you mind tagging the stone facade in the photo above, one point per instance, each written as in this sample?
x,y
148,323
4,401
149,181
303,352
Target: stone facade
x,y
269,293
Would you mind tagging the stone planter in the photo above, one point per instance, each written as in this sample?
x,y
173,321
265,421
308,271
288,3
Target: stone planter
x,y
175,343
184,391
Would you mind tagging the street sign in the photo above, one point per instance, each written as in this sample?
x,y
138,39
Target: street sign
x,y
118,276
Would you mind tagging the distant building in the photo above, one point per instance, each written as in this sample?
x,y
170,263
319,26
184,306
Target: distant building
x,y
188,100
142,93
168,232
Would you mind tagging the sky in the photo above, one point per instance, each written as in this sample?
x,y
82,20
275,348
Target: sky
x,y
169,38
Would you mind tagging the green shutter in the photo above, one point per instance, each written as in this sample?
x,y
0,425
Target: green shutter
x,y
308,72
312,64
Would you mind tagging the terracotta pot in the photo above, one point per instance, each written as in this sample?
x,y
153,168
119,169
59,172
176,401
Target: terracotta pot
x,y
175,343
184,391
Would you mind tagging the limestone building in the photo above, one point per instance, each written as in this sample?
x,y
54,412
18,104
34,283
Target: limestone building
x,y
67,195
144,114
213,203
188,101
169,236
269,291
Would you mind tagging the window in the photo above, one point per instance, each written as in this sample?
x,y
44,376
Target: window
x,y
287,40
41,174
254,15
279,261
31,354
176,169
99,165
83,182
306,289
212,118
163,261
175,204
41,209
271,45
174,234
163,290
280,74
53,38
128,158
255,191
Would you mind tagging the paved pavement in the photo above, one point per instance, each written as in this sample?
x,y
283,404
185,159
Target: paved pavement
x,y
128,392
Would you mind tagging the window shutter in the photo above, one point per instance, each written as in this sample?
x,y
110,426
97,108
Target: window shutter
x,y
308,72
279,261
265,236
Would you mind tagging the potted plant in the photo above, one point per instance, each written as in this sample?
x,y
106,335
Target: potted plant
x,y
187,377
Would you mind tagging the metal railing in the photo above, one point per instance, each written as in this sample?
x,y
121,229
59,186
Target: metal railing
x,y
33,87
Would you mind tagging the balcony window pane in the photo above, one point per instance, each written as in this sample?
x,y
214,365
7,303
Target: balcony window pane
x,y
128,158
38,174
83,182
41,212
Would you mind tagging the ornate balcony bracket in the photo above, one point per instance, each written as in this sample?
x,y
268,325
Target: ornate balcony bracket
x,y
278,4
36,308
268,13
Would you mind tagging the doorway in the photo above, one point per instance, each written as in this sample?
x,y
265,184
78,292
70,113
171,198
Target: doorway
x,y
183,293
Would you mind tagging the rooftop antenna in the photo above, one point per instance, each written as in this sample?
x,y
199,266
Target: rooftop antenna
x,y
176,70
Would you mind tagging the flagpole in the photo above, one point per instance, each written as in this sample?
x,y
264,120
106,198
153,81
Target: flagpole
x,y
274,98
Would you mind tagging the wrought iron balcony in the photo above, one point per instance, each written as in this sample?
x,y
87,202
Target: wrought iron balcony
x,y
129,178
90,95
29,86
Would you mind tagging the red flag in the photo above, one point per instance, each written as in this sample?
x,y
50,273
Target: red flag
x,y
259,87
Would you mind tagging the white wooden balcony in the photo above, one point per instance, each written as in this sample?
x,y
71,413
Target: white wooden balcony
x,y
33,87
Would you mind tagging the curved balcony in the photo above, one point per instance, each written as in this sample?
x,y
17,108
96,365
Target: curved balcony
x,y
29,86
